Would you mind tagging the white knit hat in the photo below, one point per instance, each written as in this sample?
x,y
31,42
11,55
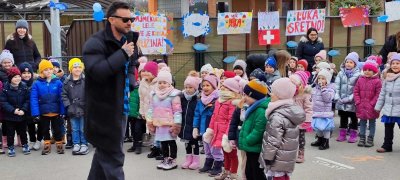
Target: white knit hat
x,y
6,54
164,75
207,67
240,63
326,74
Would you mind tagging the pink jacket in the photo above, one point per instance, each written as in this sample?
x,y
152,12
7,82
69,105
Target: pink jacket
x,y
220,121
305,102
366,93
145,89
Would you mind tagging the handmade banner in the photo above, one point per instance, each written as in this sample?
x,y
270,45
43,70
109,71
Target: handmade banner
x,y
234,23
354,16
392,10
268,28
153,30
198,6
298,22
195,25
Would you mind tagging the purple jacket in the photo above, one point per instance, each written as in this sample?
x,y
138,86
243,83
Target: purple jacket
x,y
322,101
366,94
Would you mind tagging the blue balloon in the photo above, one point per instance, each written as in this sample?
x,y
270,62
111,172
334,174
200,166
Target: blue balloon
x,y
333,53
98,16
97,7
383,18
230,59
291,44
200,47
369,42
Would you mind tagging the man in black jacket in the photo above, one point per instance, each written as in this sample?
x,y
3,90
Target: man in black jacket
x,y
107,62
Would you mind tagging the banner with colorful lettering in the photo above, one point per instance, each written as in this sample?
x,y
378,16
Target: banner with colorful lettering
x,y
392,10
195,25
354,16
153,30
268,28
298,22
234,23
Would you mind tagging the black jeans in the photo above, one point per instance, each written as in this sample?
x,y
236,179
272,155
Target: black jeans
x,y
35,134
136,128
388,141
344,120
56,125
20,127
169,149
253,170
192,147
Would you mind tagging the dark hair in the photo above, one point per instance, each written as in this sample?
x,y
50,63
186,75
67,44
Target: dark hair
x,y
26,40
115,6
311,29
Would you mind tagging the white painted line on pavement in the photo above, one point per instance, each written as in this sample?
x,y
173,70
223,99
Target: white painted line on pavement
x,y
334,162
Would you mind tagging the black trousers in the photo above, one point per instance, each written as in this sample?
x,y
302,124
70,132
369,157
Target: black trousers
x,y
169,149
136,128
56,125
192,147
344,120
388,141
20,127
35,134
253,170
302,139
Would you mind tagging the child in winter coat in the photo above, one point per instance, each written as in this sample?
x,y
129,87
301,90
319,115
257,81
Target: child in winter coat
x,y
271,71
239,67
280,142
366,93
345,82
302,65
322,118
251,133
389,102
73,97
320,57
189,99
14,100
6,62
302,98
206,70
57,71
202,118
165,114
218,127
47,105
292,65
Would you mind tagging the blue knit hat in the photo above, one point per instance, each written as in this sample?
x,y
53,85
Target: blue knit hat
x,y
25,67
271,61
55,63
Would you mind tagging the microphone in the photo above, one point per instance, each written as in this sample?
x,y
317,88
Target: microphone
x,y
132,36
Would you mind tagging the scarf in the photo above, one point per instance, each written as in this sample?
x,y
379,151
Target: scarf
x,y
253,107
226,95
164,93
392,76
189,97
349,72
274,105
208,99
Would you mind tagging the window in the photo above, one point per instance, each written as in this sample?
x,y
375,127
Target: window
x,y
286,6
309,4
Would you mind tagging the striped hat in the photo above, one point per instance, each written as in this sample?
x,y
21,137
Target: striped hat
x,y
256,89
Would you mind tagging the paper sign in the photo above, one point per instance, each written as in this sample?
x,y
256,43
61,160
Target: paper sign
x,y
196,25
353,17
234,23
152,30
392,10
268,28
298,22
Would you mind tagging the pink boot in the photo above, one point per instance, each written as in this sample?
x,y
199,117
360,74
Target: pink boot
x,y
188,161
353,136
4,140
195,163
342,135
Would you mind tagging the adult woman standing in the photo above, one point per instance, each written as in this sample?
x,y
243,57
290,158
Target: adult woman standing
x,y
392,44
22,46
309,46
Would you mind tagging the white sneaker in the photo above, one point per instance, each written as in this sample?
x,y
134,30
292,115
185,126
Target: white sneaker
x,y
36,145
171,164
162,163
76,148
84,149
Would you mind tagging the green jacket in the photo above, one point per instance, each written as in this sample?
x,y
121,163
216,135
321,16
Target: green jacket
x,y
252,131
134,103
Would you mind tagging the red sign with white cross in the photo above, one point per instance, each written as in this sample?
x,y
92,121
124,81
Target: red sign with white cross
x,y
269,37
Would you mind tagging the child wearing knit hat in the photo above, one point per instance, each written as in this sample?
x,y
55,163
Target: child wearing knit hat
x,y
320,57
302,65
205,70
227,74
292,65
6,62
57,71
283,117
345,82
271,71
239,67
253,127
322,119
189,99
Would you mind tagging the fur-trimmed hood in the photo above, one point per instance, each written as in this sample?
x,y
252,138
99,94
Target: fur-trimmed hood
x,y
11,36
305,39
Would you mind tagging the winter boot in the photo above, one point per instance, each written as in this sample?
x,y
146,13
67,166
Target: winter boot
x,y
217,168
162,163
318,142
4,139
342,135
208,163
47,147
138,148
11,151
223,175
188,161
19,141
171,164
155,151
133,148
353,136
60,147
300,156
69,144
195,162
361,142
324,145
25,149
370,142
53,141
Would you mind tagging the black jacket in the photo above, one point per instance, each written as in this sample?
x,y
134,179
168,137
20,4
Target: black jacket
x,y
23,51
3,75
12,99
73,96
389,46
104,89
188,109
255,61
308,49
233,133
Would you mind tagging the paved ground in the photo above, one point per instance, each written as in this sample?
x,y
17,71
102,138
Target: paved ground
x,y
341,161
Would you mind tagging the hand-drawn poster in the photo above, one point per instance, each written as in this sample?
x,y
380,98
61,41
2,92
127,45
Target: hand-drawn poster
x,y
195,25
152,30
353,17
392,10
234,23
298,22
268,28
198,6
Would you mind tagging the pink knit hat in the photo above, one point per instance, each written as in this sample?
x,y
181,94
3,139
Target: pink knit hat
x,y
192,82
164,75
321,54
303,77
212,80
162,65
233,84
371,66
151,67
283,88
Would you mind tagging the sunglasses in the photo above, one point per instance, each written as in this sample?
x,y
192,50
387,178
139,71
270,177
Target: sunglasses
x,y
125,19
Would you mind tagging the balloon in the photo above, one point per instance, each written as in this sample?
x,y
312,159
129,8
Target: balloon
x,y
369,42
200,47
292,44
97,7
230,59
98,16
383,18
333,53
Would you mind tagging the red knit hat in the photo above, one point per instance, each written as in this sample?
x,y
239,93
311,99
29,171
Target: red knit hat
x,y
371,66
13,71
151,67
304,63
229,74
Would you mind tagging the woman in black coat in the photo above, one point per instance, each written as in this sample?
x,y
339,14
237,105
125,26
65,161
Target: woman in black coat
x,y
392,44
22,46
309,46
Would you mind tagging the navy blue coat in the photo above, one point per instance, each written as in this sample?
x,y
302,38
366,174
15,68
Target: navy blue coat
x,y
46,97
188,109
202,116
12,99
308,49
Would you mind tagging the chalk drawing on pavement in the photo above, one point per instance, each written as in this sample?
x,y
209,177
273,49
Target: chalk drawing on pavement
x,y
332,164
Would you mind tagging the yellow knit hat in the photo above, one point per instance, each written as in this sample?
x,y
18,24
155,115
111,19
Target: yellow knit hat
x,y
256,89
45,64
75,62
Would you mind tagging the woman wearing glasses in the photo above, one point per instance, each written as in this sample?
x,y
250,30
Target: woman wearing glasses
x,y
309,46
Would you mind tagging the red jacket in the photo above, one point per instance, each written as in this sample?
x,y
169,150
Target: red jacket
x,y
220,121
366,93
